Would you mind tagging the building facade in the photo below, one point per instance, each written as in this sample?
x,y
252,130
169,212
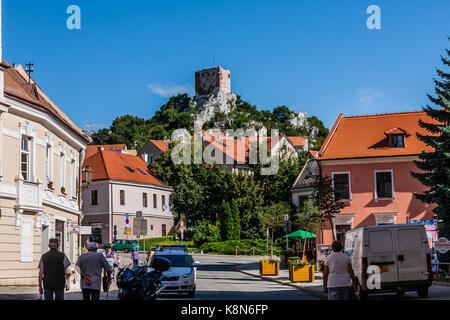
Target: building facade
x,y
121,186
153,149
370,160
41,151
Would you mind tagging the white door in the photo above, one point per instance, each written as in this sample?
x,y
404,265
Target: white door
x,y
26,247
382,252
412,254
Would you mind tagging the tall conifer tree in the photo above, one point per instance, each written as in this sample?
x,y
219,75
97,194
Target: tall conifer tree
x,y
436,165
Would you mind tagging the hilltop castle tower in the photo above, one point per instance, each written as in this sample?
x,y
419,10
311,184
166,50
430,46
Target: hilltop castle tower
x,y
212,81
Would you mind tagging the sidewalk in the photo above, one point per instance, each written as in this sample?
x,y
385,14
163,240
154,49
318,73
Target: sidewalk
x,y
315,287
438,291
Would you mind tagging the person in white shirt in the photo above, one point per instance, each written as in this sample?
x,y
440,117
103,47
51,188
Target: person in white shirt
x,y
338,276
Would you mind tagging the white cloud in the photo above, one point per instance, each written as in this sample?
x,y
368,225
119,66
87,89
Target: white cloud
x,y
368,99
168,91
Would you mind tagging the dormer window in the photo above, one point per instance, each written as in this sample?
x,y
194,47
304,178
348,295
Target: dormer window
x,y
397,141
396,137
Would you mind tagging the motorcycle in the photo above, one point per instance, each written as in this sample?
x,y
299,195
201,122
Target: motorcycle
x,y
137,283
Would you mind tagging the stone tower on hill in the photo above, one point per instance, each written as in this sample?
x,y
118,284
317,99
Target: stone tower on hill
x,y
212,81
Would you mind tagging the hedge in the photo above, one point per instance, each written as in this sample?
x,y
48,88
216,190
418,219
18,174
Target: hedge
x,y
153,242
244,247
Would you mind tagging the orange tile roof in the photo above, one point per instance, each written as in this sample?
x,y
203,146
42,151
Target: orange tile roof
x,y
297,141
112,165
241,146
93,149
18,87
365,136
161,145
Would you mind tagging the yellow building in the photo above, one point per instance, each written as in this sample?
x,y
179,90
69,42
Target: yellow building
x,y
41,152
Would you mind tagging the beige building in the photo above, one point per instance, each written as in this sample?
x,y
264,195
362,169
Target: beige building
x,y
41,152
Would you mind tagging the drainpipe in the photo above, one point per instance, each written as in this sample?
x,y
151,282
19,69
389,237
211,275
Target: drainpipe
x,y
81,156
111,214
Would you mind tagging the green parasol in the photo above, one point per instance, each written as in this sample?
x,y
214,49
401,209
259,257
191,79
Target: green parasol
x,y
300,234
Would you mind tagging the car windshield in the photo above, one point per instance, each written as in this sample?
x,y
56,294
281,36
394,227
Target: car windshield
x,y
176,260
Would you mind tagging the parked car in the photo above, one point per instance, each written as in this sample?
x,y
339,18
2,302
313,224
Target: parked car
x,y
182,275
401,253
123,245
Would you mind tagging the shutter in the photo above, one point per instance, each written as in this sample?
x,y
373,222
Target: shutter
x,y
27,240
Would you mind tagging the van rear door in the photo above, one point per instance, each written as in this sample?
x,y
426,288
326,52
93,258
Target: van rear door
x,y
412,249
381,251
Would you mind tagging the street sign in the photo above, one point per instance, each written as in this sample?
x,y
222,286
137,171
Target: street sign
x,y
126,215
127,221
74,228
86,230
286,217
127,231
442,245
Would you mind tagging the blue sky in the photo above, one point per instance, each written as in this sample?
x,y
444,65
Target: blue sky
x,y
313,56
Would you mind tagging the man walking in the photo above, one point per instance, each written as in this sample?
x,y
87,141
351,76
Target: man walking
x,y
53,272
90,266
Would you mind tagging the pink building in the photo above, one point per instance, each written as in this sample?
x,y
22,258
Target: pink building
x,y
370,159
121,186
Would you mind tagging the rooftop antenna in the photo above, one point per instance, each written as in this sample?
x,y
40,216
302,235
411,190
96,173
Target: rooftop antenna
x,y
29,69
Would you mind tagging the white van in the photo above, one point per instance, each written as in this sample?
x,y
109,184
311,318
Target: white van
x,y
401,253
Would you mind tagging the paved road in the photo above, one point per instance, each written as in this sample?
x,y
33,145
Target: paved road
x,y
218,280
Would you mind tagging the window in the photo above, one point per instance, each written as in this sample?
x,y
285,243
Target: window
x,y
380,241
26,158
341,186
94,197
384,184
142,172
341,229
73,179
122,197
301,202
163,230
62,170
163,199
144,200
397,141
48,162
129,169
155,204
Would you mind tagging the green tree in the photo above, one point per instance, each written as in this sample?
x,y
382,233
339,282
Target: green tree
x,y
226,222
325,201
307,217
272,216
436,165
236,220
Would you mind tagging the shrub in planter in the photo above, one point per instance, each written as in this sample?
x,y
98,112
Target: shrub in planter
x,y
63,190
269,267
300,271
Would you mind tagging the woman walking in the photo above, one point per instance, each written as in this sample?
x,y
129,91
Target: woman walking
x,y
338,276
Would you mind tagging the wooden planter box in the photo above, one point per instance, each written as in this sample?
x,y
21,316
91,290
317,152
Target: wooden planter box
x,y
301,274
269,268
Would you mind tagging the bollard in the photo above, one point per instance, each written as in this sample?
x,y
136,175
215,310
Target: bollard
x,y
253,250
236,250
